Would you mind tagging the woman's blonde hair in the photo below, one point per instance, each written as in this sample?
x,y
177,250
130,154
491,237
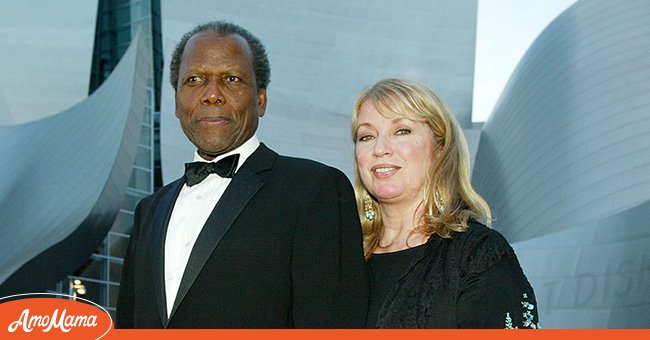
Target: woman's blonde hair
x,y
449,200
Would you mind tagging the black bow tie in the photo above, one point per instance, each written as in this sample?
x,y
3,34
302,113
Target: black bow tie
x,y
197,171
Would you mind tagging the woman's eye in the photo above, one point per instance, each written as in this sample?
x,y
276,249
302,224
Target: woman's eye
x,y
365,138
403,132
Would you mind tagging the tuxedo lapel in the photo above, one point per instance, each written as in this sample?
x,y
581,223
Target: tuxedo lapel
x,y
159,229
243,187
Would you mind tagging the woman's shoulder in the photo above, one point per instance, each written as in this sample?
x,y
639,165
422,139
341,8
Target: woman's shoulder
x,y
481,247
477,232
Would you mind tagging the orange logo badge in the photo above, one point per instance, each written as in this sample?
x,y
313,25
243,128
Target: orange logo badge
x,y
44,316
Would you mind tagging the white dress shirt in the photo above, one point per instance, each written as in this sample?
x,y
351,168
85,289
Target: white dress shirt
x,y
191,210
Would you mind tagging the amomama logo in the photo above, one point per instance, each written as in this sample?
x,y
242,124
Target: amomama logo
x,y
44,315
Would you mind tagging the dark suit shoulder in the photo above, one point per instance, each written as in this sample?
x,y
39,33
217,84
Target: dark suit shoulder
x,y
150,201
265,159
162,190
302,163
307,169
297,177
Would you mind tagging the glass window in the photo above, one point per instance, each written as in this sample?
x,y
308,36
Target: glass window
x,y
141,180
146,116
112,300
94,291
131,199
116,273
145,135
143,157
118,249
123,223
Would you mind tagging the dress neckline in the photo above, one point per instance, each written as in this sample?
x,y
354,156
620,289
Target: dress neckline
x,y
401,251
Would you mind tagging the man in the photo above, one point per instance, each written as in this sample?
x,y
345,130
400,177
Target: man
x,y
277,245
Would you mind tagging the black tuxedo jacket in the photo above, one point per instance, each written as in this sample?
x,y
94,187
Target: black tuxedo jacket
x,y
281,249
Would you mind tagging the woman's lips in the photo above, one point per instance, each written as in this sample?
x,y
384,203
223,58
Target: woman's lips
x,y
384,170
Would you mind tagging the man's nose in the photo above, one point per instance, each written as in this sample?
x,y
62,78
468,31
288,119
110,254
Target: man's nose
x,y
213,94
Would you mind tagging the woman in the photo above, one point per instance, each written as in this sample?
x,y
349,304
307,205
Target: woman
x,y
434,262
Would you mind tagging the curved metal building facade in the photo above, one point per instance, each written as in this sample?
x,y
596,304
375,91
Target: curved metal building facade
x,y
65,177
564,161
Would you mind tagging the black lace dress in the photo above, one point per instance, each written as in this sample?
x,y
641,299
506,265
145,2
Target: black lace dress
x,y
472,280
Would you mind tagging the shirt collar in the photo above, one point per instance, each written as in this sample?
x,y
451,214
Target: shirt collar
x,y
244,151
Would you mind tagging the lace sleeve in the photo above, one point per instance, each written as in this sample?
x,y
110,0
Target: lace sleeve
x,y
493,290
527,316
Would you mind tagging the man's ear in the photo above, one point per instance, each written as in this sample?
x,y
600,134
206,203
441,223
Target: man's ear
x,y
176,105
261,102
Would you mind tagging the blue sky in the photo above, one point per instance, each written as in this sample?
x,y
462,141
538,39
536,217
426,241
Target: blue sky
x,y
505,30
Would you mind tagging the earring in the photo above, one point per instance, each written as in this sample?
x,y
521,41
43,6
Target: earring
x,y
439,204
368,208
